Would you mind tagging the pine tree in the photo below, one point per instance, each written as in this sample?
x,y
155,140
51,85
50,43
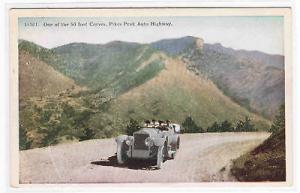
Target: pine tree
x,y
132,127
245,125
226,126
215,127
191,127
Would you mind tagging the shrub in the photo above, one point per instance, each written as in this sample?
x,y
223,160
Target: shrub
x,y
24,141
190,126
279,121
45,116
245,125
50,134
225,126
132,126
87,134
215,127
68,110
81,118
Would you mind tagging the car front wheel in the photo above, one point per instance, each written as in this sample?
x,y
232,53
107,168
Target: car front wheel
x,y
121,154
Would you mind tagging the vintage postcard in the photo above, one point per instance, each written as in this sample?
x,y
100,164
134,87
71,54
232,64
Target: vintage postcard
x,y
161,95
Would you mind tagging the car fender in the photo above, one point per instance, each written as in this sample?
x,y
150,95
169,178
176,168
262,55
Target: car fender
x,y
159,141
173,139
121,138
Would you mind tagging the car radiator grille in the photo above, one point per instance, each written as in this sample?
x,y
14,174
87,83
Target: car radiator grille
x,y
139,141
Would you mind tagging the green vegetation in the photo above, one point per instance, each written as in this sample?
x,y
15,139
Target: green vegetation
x,y
132,127
111,66
46,55
87,134
134,79
279,121
266,162
190,126
51,123
24,140
226,126
245,125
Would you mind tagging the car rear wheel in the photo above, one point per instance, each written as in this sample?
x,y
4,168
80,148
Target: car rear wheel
x,y
160,156
173,155
178,143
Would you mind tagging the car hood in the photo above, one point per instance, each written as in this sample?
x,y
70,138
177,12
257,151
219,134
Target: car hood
x,y
149,131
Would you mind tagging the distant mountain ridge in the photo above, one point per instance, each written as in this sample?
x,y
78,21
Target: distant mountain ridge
x,y
177,46
253,79
274,60
174,46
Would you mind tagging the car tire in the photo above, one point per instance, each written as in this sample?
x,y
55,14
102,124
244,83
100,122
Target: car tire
x,y
160,156
121,154
173,155
178,143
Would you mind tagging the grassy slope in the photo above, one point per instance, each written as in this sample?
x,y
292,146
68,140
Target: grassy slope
x,y
38,79
265,163
176,93
113,65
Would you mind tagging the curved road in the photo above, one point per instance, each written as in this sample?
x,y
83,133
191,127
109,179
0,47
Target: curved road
x,y
201,158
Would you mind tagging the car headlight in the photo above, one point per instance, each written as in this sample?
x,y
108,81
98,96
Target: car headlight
x,y
129,141
148,141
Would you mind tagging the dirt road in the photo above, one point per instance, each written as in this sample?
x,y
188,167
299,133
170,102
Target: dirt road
x,y
201,158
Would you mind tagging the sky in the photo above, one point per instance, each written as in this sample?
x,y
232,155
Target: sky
x,y
262,33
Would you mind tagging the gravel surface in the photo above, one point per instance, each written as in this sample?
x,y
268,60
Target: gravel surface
x,y
202,157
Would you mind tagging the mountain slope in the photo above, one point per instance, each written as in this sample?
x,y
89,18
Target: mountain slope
x,y
38,79
257,86
253,79
274,60
114,65
176,93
